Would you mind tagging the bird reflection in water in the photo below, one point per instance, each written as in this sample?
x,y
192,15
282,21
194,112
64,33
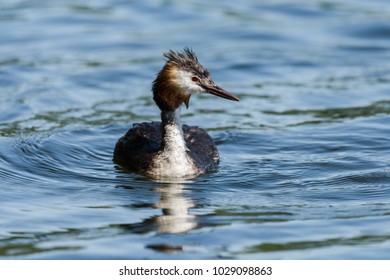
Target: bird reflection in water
x,y
175,205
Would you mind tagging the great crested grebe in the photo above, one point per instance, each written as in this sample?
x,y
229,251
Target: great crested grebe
x,y
166,148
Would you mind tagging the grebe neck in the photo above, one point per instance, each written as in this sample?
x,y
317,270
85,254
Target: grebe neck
x,y
172,159
172,138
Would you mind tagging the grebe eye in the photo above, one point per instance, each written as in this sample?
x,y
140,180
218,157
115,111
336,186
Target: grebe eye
x,y
195,79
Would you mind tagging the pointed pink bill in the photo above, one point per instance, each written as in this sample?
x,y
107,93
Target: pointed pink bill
x,y
216,90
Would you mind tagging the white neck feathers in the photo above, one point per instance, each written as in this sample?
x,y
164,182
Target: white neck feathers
x,y
172,160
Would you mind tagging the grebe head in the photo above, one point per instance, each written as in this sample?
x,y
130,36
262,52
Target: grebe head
x,y
182,76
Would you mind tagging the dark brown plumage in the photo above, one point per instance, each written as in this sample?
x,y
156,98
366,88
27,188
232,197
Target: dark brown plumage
x,y
137,148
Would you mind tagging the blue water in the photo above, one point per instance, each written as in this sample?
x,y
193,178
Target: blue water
x,y
305,154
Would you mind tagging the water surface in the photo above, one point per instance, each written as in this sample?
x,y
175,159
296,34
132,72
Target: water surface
x,y
305,154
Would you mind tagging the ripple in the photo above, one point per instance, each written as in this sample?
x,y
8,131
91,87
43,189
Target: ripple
x,y
374,31
377,108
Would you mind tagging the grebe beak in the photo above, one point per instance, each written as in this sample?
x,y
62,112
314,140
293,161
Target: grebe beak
x,y
216,90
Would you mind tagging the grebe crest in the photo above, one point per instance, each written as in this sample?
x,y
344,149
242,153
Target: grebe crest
x,y
168,149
